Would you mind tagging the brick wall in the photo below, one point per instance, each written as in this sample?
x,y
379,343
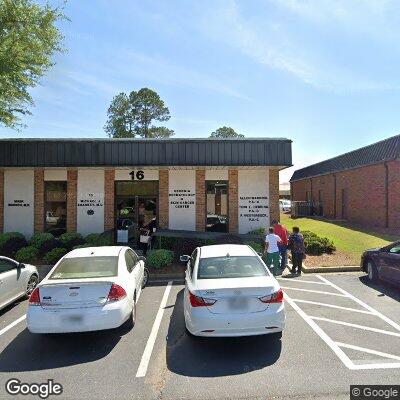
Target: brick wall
x,y
38,208
109,208
360,194
163,200
274,195
200,200
233,200
72,186
1,201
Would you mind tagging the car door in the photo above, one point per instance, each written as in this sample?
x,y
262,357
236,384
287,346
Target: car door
x,y
134,271
189,273
11,281
389,263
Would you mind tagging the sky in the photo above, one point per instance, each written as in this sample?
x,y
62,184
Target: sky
x,y
323,73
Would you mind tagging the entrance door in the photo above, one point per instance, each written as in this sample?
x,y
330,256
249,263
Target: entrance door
x,y
127,218
217,206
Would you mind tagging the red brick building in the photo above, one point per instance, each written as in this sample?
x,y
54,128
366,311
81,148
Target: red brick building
x,y
362,186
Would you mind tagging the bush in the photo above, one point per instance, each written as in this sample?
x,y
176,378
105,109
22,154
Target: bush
x,y
167,242
184,246
98,239
11,242
54,255
39,238
159,258
49,245
27,254
258,231
229,239
257,247
81,246
70,240
316,245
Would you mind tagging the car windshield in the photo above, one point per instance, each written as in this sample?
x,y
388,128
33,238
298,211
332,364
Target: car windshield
x,y
230,267
86,267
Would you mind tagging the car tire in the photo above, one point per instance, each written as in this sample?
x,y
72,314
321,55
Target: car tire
x,y
276,335
372,271
31,285
145,278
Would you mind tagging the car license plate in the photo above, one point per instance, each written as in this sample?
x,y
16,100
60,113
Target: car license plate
x,y
76,319
238,303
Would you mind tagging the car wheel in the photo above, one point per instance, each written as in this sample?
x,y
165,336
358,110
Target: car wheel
x,y
372,271
276,336
145,277
32,283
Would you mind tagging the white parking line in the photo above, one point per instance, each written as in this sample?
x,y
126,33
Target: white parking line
x,y
144,362
332,306
369,351
363,327
301,281
16,322
313,291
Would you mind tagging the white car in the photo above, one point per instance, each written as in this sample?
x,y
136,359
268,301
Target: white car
x,y
285,205
229,291
16,280
89,289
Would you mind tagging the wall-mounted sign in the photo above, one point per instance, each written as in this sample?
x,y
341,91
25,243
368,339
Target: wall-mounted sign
x,y
253,208
137,175
19,203
90,200
182,198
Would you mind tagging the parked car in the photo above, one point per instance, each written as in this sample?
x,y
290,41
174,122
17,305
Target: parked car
x,y
285,206
89,289
16,280
383,263
229,291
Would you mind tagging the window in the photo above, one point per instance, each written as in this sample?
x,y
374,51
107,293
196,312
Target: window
x,y
193,263
130,263
6,265
85,267
217,206
230,267
395,249
55,208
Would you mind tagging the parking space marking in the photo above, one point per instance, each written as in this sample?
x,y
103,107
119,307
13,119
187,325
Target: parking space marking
x,y
361,303
16,322
144,362
369,351
301,281
314,291
363,327
332,306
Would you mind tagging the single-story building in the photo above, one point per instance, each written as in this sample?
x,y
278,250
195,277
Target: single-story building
x,y
97,185
362,186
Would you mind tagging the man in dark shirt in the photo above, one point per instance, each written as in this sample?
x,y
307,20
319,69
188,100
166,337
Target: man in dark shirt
x,y
296,245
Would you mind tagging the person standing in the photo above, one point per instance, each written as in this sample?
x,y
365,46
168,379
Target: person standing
x,y
271,249
296,245
282,232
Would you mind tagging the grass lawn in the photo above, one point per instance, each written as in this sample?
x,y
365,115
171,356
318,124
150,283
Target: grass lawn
x,y
350,242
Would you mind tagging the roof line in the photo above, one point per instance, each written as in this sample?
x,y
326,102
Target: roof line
x,y
51,139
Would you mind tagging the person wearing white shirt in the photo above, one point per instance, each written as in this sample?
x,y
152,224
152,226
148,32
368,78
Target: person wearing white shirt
x,y
271,248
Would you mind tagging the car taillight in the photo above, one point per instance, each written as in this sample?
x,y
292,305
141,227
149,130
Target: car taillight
x,y
34,298
276,297
116,293
197,301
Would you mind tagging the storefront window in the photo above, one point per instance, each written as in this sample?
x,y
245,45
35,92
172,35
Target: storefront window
x,y
217,206
55,198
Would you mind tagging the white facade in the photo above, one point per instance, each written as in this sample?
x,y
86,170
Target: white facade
x,y
253,193
90,201
19,201
182,200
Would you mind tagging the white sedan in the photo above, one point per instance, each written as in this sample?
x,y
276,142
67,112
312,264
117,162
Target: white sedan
x,y
16,280
89,289
229,291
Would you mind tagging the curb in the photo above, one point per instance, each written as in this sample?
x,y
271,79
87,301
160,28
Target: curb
x,y
344,268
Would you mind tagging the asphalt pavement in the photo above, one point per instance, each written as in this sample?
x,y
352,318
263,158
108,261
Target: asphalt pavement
x,y
341,330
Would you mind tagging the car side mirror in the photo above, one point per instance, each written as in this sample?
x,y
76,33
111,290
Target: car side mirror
x,y
141,258
185,258
21,265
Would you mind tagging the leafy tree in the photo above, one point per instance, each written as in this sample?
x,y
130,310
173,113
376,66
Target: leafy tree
x,y
226,132
132,115
28,40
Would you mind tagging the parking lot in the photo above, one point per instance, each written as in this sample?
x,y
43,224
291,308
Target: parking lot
x,y
341,330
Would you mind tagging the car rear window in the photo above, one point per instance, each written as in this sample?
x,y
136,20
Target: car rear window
x,y
86,267
230,267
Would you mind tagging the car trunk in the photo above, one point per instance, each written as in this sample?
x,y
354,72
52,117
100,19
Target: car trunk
x,y
74,294
237,295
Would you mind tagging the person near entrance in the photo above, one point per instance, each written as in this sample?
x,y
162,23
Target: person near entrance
x,y
282,232
271,250
297,247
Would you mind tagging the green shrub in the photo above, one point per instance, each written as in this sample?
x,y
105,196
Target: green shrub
x,y
49,245
257,247
81,246
70,240
159,258
258,231
98,239
229,239
27,254
11,242
316,245
54,255
184,246
167,243
39,238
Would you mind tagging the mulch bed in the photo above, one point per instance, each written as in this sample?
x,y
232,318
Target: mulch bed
x,y
330,260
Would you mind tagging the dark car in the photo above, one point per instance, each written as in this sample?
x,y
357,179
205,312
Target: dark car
x,y
383,263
